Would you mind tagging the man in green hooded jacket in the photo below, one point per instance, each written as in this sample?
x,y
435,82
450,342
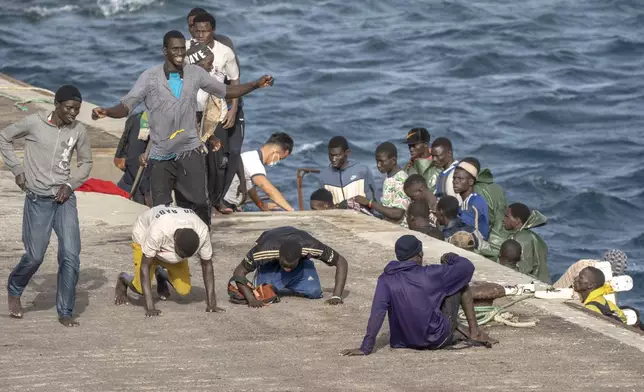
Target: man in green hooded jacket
x,y
421,157
497,205
519,221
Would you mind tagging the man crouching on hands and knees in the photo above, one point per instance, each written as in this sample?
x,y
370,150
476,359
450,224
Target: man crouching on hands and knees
x,y
166,236
282,258
422,301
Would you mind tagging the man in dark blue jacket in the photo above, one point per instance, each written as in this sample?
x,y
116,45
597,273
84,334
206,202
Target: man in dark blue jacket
x,y
422,301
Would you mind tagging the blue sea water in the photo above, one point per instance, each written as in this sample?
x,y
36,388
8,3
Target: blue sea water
x,y
546,93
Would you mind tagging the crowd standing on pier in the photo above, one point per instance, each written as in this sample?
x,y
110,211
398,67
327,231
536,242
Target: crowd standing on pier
x,y
182,156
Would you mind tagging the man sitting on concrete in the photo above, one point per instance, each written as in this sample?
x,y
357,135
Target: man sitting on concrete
x,y
166,236
321,199
443,158
418,220
420,161
394,201
277,148
50,203
519,221
346,179
416,189
447,214
282,258
510,254
473,210
422,301
591,287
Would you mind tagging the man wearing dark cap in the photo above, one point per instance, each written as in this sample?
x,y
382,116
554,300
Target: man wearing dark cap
x,y
50,204
420,161
169,92
422,301
282,258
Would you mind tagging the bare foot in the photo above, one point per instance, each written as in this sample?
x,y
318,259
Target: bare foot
x,y
68,321
120,291
223,209
163,289
15,307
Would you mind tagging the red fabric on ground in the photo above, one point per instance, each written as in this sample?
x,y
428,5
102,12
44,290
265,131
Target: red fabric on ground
x,y
101,186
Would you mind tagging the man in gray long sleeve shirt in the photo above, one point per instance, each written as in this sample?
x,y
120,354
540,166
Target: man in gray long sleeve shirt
x,y
50,203
169,92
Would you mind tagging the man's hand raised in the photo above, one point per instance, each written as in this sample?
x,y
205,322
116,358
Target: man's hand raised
x,y
265,81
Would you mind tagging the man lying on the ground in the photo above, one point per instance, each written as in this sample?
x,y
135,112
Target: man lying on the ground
x,y
277,148
591,287
422,301
418,220
321,199
510,254
167,236
618,263
282,258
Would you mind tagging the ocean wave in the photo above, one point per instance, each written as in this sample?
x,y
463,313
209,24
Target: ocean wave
x,y
40,11
104,8
113,7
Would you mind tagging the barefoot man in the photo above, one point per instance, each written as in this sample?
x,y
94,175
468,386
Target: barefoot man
x,y
50,204
167,236
422,301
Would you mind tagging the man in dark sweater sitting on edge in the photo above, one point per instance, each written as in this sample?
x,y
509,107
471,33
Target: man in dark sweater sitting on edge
x,y
422,301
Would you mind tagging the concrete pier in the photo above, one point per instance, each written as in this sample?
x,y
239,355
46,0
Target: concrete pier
x,y
290,346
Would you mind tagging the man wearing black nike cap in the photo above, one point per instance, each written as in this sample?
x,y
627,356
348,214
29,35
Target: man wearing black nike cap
x,y
50,204
420,161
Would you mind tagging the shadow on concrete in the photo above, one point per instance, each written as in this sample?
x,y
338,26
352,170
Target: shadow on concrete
x,y
382,341
90,279
345,294
197,294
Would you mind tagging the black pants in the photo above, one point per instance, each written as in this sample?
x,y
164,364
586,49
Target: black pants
x,y
187,177
449,308
223,164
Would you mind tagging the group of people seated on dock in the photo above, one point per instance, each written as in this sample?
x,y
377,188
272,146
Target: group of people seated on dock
x,y
182,157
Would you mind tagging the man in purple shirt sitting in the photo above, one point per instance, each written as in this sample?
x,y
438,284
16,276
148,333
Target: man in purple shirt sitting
x,y
422,301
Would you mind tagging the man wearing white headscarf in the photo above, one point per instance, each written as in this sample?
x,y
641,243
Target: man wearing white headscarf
x,y
473,210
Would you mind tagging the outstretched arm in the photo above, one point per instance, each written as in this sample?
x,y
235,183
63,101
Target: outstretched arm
x,y
128,103
379,309
272,192
391,213
209,282
239,90
150,310
341,271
